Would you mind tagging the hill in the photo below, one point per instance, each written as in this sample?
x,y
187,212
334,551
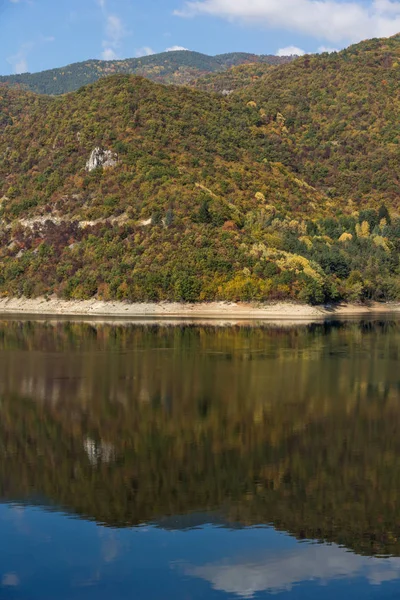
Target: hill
x,y
232,79
337,117
286,189
167,221
178,67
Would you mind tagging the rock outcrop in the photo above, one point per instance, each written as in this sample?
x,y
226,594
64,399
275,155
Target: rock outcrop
x,y
101,158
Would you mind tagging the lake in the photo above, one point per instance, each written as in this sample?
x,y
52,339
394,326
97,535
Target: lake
x,y
192,461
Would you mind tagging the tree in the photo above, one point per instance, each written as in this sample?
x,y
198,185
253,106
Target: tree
x,y
204,212
383,213
169,217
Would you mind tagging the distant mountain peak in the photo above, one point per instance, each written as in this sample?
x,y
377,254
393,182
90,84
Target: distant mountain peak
x,y
173,67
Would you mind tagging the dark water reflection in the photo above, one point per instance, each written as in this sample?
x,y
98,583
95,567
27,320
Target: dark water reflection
x,y
208,456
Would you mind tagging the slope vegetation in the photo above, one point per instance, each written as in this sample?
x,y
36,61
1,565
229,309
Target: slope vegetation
x,y
235,78
287,188
337,117
172,220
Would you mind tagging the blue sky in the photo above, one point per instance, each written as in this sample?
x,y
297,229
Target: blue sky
x,y
41,34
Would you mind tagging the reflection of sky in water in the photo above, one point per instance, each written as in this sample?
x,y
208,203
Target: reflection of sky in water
x,y
282,570
46,555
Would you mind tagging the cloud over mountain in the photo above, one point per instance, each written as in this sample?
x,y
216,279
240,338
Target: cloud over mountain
x,y
333,20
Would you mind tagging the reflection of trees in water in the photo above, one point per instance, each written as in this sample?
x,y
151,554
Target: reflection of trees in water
x,y
297,427
92,363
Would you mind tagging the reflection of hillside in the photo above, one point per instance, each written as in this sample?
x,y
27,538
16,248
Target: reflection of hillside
x,y
296,427
88,364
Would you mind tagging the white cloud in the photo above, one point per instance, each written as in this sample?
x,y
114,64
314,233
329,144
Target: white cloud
x,y
19,60
282,571
109,54
20,1
114,32
21,66
144,51
332,20
175,48
290,51
114,29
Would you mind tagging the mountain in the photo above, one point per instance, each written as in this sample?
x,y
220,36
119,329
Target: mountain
x,y
287,188
178,67
337,116
167,221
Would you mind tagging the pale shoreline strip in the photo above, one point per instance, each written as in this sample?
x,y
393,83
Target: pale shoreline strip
x,y
176,310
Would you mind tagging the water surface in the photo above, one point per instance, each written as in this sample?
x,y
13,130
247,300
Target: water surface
x,y
199,462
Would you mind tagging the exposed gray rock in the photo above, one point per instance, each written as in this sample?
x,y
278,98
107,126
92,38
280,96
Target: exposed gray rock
x,y
101,158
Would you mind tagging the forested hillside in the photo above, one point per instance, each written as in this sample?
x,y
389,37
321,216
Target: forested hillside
x,y
337,116
232,79
178,67
287,188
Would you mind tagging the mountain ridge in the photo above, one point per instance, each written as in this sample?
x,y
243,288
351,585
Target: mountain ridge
x,y
179,67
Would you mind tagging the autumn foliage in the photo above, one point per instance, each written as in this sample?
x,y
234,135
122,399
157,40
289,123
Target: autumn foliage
x,y
285,189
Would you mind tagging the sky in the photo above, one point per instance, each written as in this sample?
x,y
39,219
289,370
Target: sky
x,y
40,34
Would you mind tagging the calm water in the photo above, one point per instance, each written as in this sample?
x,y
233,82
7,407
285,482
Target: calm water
x,y
148,462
